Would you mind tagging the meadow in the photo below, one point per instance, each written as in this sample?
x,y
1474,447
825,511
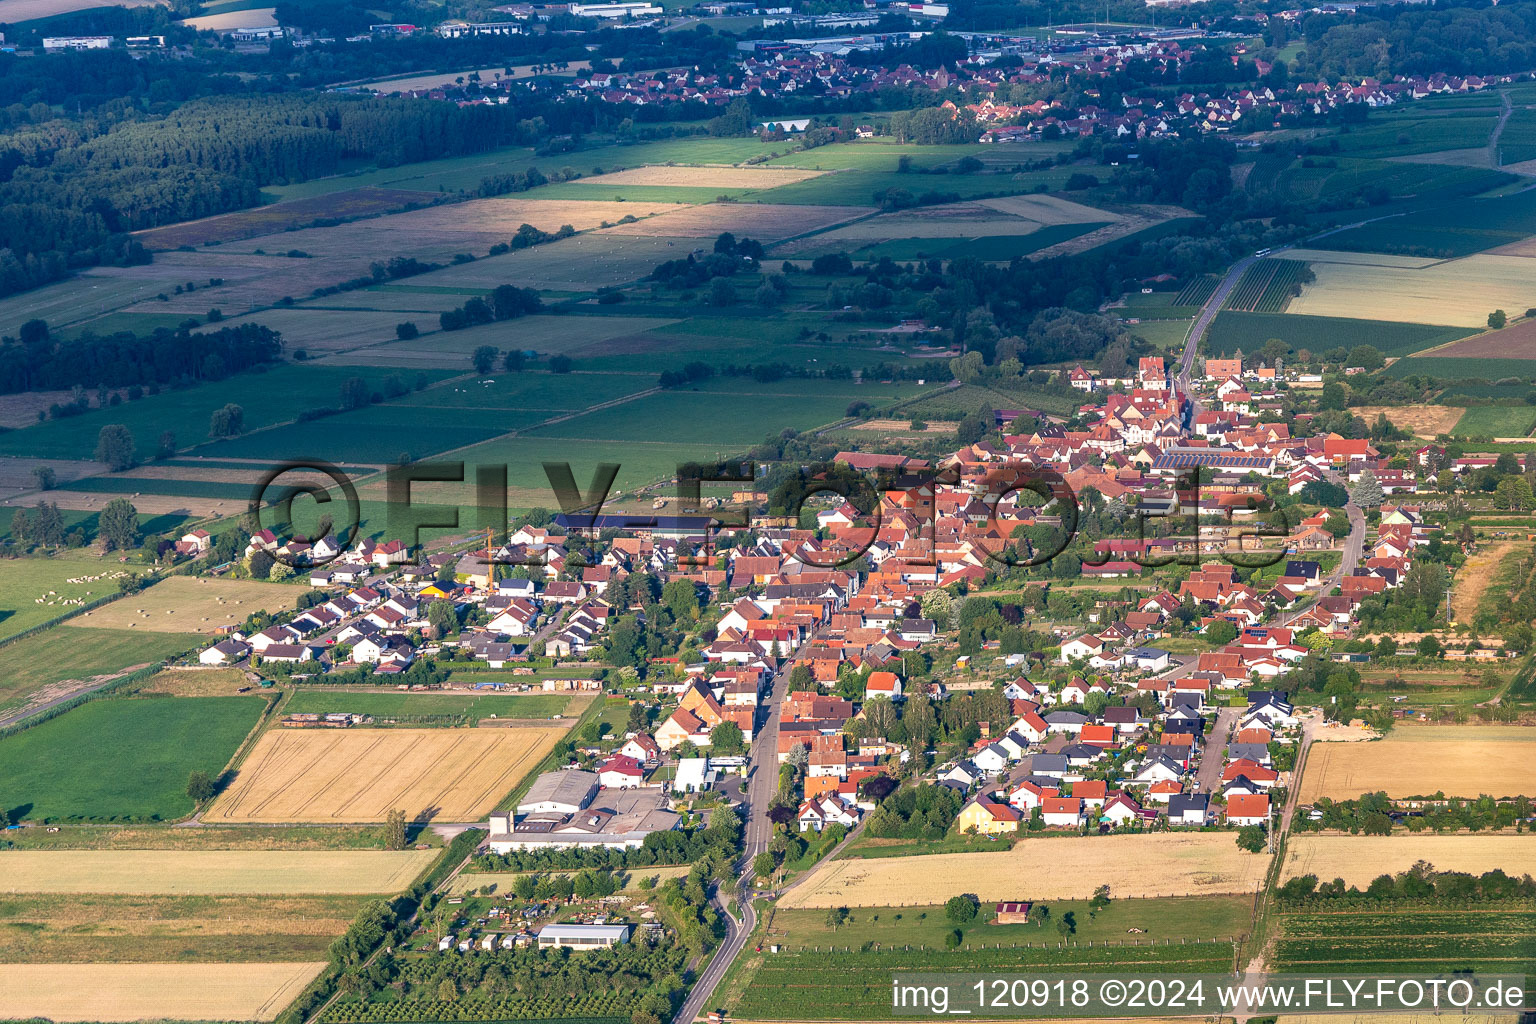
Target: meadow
x,y
1231,331
342,776
112,992
1360,859
1496,421
40,589
188,604
122,760
1460,761
1195,864
471,708
46,665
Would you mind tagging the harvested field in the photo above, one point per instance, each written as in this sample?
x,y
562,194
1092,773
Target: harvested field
x,y
762,221
1421,420
321,331
1048,209
1475,575
133,992
360,775
256,17
15,11
587,262
1458,293
211,872
1360,259
433,81
1517,342
1359,859
1042,869
263,220
705,177
439,233
1461,761
190,604
902,427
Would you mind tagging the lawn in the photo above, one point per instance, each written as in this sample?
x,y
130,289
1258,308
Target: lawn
x,y
122,760
1231,331
468,709
38,663
1496,421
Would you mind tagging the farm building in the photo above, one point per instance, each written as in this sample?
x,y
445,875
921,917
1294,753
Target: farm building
x,y
1013,913
583,936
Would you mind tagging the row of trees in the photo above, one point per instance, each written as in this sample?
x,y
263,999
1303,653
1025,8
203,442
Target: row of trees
x,y
38,360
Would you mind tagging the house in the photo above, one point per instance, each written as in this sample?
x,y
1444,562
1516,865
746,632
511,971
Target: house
x,y
1062,812
225,652
620,772
1085,646
1052,765
987,817
1122,810
991,759
816,814
964,775
642,748
287,653
1251,809
883,684
1188,809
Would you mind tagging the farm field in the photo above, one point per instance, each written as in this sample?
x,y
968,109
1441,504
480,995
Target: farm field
x,y
318,331
275,396
497,73
1456,293
472,708
750,178
1515,342
131,992
1476,371
91,293
1496,421
42,667
1474,579
30,10
39,589
177,604
1265,287
1231,331
360,775
1148,865
587,262
1446,229
262,220
1421,420
569,335
1461,761
1359,859
122,760
212,872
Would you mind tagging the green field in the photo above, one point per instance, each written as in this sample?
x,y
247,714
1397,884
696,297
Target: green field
x,y
858,187
1231,331
1405,936
36,589
274,396
470,708
1447,229
1496,421
88,521
1265,287
80,652
1467,368
122,760
992,248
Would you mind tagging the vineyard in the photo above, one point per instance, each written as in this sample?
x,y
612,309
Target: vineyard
x,y
1392,937
598,1008
1267,286
855,984
1197,291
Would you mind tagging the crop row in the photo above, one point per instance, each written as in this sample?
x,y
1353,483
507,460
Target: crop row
x,y
1299,926
587,1010
1197,291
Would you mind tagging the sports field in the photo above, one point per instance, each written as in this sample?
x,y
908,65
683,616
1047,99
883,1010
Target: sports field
x,y
122,760
359,775
133,992
1359,859
1461,761
191,604
210,872
1165,864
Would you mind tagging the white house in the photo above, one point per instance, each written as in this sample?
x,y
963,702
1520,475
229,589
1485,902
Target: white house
x,y
1084,646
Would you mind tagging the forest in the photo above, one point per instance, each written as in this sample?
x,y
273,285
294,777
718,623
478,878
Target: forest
x,y
38,361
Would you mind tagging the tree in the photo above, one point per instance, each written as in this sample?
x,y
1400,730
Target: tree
x,y
682,598
1497,319
836,916
1221,632
48,528
114,446
199,786
354,393
1251,838
1367,491
484,358
513,360
407,330
118,526
1514,494
226,422
394,830
763,864
962,909
1428,646
560,364
45,478
726,738
442,618
166,446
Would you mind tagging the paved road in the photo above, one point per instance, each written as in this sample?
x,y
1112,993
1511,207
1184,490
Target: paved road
x,y
1202,324
1214,757
740,914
